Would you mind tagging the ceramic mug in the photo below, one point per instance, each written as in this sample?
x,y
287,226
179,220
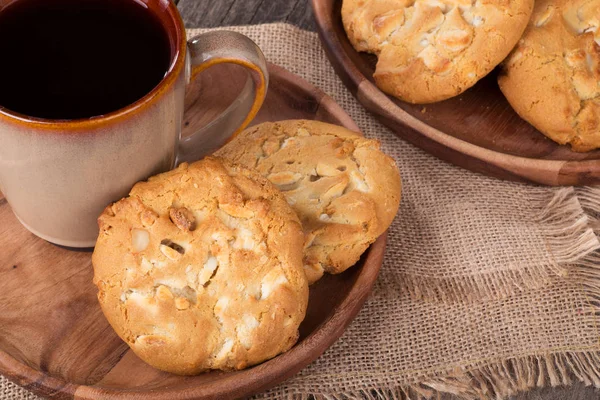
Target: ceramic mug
x,y
58,175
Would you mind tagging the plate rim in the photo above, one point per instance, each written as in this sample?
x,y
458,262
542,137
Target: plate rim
x,y
260,377
505,166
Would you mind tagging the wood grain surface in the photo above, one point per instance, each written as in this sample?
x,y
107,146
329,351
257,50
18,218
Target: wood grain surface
x,y
54,339
210,14
243,14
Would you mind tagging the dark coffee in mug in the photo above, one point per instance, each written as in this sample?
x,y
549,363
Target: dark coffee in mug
x,y
73,59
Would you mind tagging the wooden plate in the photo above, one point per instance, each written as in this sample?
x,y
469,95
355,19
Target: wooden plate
x,y
55,341
477,130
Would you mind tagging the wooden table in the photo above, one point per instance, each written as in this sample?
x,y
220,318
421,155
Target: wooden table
x,y
214,13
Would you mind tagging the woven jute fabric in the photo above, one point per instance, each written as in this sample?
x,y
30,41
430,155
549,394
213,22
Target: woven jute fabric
x,y
488,287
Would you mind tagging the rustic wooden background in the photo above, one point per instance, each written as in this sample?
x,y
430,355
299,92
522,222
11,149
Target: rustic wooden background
x,y
214,13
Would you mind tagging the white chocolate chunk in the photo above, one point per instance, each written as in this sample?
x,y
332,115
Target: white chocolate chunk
x,y
173,282
140,239
143,302
272,281
289,142
249,321
477,20
226,349
244,240
244,330
145,265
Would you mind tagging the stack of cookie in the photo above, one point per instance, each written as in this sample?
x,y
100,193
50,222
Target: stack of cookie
x,y
208,266
432,50
344,189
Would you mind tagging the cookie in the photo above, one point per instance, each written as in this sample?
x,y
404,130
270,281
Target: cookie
x,y
552,78
431,50
201,268
344,189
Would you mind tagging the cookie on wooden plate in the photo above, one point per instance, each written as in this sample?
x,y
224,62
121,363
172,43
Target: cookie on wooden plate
x,y
201,268
431,50
552,78
344,189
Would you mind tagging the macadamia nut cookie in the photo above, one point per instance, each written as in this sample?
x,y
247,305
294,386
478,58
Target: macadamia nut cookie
x,y
201,268
552,78
344,189
431,50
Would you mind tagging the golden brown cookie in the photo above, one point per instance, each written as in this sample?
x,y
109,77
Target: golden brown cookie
x,y
552,78
431,50
344,189
201,268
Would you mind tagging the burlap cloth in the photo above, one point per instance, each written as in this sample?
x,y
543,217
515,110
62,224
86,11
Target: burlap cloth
x,y
488,287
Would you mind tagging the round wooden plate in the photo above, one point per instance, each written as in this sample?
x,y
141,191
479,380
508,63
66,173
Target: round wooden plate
x,y
54,339
477,130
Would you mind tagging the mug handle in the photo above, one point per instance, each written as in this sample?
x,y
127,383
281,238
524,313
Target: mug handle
x,y
219,47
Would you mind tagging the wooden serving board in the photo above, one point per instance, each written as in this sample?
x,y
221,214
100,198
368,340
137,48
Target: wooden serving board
x,y
54,339
477,130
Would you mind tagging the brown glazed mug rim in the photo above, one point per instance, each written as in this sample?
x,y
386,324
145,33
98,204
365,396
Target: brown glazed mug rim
x,y
175,31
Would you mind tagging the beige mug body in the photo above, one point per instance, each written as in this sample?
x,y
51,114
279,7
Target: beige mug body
x,y
58,175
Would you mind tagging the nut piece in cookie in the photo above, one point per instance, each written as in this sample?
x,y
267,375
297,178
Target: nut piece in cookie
x,y
431,50
552,78
201,268
344,189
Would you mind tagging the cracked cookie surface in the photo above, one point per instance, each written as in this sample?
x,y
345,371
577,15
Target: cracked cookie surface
x,y
552,78
201,268
344,189
431,50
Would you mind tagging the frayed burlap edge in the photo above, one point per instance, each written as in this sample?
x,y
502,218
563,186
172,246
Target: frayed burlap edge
x,y
505,376
568,236
589,197
498,381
